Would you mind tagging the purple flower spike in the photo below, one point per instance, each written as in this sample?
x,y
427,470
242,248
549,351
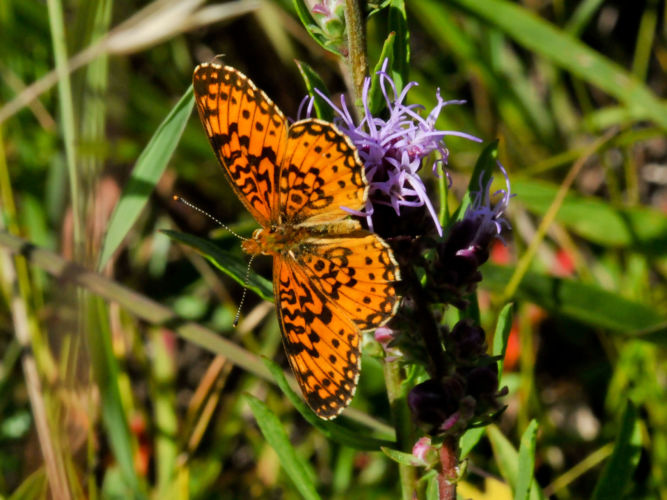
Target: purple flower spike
x,y
490,220
393,150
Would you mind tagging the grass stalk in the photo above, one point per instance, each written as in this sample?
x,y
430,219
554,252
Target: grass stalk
x,y
67,122
527,257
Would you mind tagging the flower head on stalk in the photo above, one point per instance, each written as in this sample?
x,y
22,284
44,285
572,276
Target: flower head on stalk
x,y
454,273
330,17
394,149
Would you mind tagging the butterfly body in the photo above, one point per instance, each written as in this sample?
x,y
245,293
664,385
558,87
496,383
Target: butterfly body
x,y
332,279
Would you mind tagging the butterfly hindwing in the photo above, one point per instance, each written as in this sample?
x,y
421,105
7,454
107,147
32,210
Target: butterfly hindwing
x,y
321,342
358,272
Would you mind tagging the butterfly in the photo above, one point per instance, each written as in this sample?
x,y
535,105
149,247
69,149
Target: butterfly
x,y
332,279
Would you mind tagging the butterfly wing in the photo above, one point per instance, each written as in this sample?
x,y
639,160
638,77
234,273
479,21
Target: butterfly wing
x,y
248,134
321,175
358,272
339,279
321,342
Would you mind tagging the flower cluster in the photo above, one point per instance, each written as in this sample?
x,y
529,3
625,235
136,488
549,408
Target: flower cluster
x,y
454,272
463,387
394,149
467,394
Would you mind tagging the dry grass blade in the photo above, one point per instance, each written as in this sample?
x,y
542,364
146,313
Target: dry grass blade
x,y
55,468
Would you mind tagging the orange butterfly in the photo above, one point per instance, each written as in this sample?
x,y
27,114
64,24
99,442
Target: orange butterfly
x,y
331,278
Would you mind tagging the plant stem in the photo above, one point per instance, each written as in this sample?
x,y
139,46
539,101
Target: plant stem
x,y
356,44
448,469
402,423
428,327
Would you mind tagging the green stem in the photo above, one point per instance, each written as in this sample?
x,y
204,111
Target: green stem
x,y
66,113
402,423
356,45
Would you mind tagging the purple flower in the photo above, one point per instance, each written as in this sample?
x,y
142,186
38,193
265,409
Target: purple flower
x,y
489,220
394,149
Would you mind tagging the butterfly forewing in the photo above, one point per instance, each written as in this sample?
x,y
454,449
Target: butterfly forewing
x,y
248,134
321,175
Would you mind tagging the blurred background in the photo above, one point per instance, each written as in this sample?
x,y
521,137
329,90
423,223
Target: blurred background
x,y
103,401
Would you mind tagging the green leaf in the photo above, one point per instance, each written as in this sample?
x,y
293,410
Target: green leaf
x,y
479,180
398,24
403,458
376,101
546,40
640,229
227,262
588,304
617,473
114,417
469,440
331,430
526,462
507,460
33,486
502,333
145,175
299,471
313,81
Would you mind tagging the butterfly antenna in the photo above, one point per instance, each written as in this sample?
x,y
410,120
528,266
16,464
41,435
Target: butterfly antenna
x,y
245,291
194,207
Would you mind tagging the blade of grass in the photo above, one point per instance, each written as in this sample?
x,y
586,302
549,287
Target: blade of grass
x,y
376,100
479,179
589,304
526,462
164,409
397,20
527,257
145,175
583,13
331,430
507,460
578,470
298,470
637,228
472,436
616,475
227,262
502,333
106,373
33,486
645,40
313,81
543,38
67,123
